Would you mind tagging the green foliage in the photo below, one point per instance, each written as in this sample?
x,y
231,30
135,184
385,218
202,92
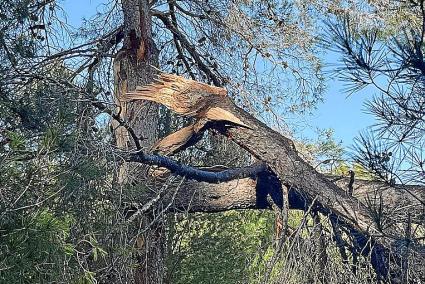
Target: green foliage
x,y
35,249
324,152
220,248
16,140
360,172
52,177
229,247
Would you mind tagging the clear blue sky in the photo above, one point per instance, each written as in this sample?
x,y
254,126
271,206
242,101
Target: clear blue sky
x,y
338,111
345,114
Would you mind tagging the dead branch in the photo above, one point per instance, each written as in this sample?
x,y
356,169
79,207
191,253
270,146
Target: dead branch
x,y
273,149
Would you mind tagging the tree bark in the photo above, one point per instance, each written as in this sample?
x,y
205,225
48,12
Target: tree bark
x,y
132,67
280,154
248,193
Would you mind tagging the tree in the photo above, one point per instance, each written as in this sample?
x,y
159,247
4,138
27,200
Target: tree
x,y
52,172
198,61
133,66
110,206
393,149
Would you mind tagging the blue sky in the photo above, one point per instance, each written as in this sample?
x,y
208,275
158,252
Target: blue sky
x,y
345,114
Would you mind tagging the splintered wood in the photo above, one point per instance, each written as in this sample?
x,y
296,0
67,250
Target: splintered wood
x,y
217,113
184,96
188,98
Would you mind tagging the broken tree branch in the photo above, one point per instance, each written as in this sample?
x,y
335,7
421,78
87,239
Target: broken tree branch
x,y
275,150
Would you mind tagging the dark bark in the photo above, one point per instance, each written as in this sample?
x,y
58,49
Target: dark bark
x,y
251,193
245,193
194,173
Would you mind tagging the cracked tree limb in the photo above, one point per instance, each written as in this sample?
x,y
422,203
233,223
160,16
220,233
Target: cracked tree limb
x,y
280,155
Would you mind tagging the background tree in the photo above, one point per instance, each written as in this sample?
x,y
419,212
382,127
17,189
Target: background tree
x,y
392,150
392,65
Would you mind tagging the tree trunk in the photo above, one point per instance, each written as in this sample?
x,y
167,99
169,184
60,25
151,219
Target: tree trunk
x,y
132,67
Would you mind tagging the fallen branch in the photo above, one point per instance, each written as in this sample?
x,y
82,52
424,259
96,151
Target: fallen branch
x,y
191,98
